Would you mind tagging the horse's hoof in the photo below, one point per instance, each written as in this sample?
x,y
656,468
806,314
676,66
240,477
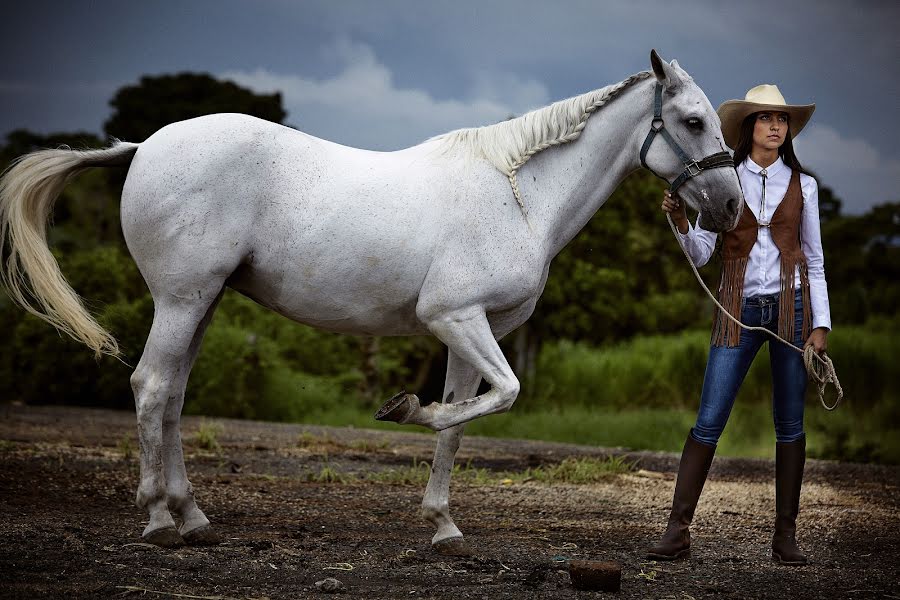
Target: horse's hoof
x,y
397,409
456,546
166,537
204,535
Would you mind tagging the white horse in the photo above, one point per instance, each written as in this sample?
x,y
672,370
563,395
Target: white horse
x,y
453,237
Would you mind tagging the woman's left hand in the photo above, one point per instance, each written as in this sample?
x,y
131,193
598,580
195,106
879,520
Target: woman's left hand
x,y
818,339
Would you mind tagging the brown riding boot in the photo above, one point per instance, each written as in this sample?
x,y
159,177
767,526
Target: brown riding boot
x,y
789,460
695,461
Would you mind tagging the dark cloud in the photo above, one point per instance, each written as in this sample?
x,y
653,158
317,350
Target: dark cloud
x,y
68,57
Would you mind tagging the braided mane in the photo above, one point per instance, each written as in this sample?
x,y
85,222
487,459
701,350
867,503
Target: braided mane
x,y
510,144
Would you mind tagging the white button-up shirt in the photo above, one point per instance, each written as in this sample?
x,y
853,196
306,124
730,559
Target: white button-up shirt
x,y
764,263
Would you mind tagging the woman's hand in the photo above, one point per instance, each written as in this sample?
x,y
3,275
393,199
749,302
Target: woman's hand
x,y
675,207
818,339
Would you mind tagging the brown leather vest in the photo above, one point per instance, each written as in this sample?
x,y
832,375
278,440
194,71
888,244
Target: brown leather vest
x,y
736,246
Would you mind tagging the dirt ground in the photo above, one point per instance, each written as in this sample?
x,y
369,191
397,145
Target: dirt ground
x,y
69,527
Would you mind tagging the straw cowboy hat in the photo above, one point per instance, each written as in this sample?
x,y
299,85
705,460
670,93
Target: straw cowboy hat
x,y
763,97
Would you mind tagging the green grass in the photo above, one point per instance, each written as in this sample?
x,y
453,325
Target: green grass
x,y
580,470
571,470
328,474
125,446
643,394
667,371
849,433
207,436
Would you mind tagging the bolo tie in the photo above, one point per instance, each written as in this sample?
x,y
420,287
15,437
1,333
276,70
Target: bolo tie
x,y
762,213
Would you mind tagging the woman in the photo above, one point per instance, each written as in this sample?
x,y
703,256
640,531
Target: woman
x,y
773,276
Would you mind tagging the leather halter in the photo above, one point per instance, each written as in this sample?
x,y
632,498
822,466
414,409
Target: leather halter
x,y
692,167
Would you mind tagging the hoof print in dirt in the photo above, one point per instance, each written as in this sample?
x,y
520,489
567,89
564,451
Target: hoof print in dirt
x,y
330,585
202,536
167,537
453,547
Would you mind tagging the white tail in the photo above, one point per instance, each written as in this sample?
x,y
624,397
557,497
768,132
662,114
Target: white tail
x,y
31,274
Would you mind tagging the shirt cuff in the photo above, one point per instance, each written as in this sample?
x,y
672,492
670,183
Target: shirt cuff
x,y
821,322
821,311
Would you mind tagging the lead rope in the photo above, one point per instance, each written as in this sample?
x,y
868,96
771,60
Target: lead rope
x,y
821,373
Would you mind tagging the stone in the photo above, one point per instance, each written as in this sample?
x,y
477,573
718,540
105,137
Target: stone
x,y
605,576
330,585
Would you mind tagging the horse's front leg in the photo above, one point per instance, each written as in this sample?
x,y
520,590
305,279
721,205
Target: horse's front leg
x,y
461,383
468,333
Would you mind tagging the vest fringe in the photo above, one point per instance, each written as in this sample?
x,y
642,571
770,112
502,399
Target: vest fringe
x,y
731,291
786,325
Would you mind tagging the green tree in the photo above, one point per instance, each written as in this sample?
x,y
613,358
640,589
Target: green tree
x,y
140,110
862,264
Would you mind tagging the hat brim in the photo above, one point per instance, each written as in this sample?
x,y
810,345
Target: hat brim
x,y
733,112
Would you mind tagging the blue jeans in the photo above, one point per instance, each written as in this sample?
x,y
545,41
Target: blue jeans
x,y
727,367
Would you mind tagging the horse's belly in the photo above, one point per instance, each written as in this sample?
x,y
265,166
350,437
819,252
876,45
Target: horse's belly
x,y
342,293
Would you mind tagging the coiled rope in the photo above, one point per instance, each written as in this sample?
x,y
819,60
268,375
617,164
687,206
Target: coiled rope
x,y
821,373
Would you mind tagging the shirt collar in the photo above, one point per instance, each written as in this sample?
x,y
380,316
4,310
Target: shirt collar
x,y
771,170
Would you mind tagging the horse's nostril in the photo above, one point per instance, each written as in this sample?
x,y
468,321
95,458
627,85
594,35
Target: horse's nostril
x,y
732,205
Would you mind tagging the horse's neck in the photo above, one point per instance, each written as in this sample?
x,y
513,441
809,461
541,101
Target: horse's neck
x,y
573,181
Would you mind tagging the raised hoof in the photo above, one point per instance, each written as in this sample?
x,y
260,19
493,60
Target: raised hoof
x,y
453,547
202,536
167,537
396,409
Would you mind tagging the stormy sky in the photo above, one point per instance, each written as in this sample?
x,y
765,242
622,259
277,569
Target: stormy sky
x,y
388,74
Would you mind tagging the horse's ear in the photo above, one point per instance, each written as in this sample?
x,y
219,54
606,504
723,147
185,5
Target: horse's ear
x,y
665,73
674,63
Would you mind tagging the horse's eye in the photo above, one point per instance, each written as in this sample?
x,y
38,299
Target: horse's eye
x,y
695,124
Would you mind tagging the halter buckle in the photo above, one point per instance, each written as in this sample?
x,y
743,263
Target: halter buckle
x,y
654,126
692,168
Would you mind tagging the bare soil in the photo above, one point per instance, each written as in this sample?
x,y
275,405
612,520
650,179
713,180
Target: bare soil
x,y
69,528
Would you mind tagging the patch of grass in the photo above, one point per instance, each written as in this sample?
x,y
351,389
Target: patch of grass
x,y
322,443
645,428
580,470
328,474
367,445
326,443
420,470
475,476
415,474
207,436
125,446
571,470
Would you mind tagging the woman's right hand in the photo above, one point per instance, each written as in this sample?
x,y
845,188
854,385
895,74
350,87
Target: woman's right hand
x,y
675,207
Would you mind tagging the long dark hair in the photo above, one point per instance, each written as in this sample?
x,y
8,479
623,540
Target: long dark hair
x,y
745,144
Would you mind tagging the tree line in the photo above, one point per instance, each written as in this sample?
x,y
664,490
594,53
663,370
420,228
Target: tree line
x,y
623,276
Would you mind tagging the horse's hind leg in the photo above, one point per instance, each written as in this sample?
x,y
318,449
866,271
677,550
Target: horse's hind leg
x,y
461,383
159,381
195,527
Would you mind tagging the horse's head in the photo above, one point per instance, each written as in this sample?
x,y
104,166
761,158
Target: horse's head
x,y
690,121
